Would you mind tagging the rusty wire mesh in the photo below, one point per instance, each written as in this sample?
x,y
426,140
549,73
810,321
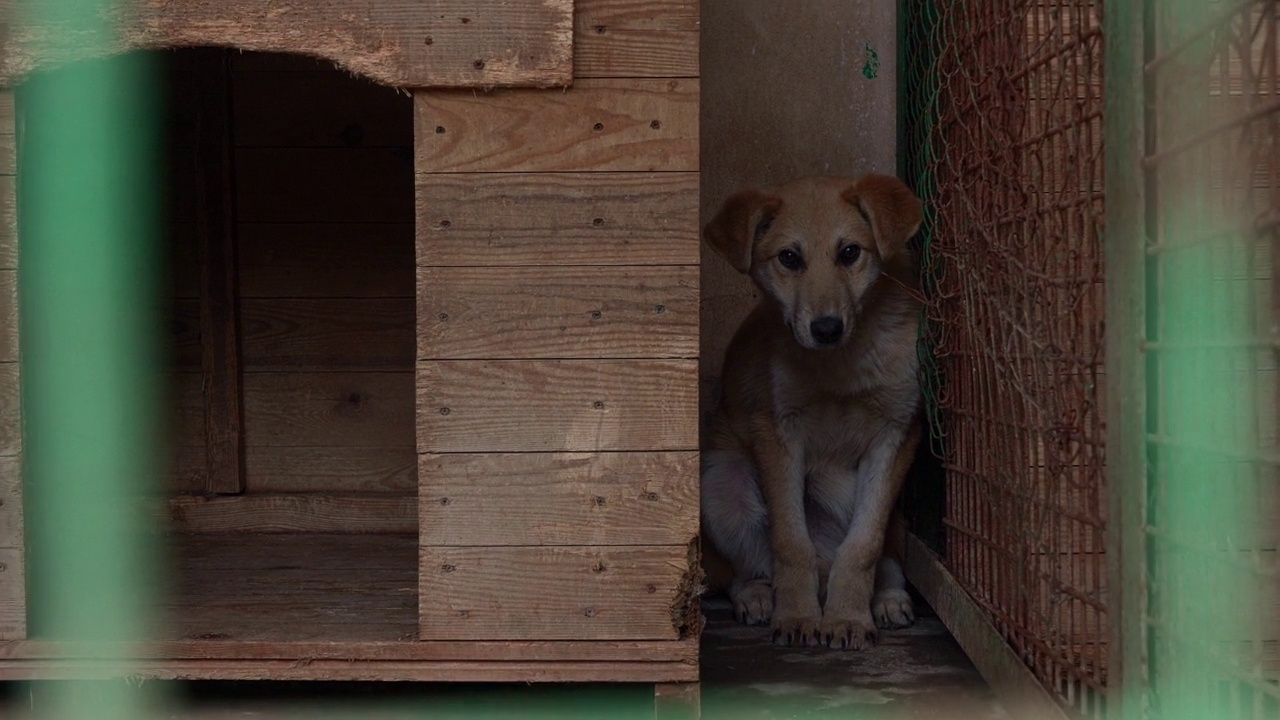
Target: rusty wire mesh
x,y
1214,191
1004,140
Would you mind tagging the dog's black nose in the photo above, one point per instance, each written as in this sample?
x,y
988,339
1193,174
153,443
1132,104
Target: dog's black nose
x,y
826,330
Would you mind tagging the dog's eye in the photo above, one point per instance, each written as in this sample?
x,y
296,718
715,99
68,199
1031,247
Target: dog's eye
x,y
790,259
849,254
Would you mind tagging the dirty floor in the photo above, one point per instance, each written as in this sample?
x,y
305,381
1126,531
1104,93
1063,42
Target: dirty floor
x,y
919,672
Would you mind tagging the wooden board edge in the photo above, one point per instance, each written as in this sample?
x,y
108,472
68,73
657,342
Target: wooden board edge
x,y
1015,686
356,671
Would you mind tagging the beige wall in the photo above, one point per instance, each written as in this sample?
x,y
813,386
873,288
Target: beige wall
x,y
784,95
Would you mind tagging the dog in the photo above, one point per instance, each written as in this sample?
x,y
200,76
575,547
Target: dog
x,y
819,417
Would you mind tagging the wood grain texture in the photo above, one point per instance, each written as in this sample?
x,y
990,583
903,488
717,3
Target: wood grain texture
x,y
326,260
488,219
329,185
457,43
8,315
11,518
558,499
10,409
369,471
636,38
626,125
551,593
310,334
320,410
216,254
291,513
550,312
13,594
8,222
557,405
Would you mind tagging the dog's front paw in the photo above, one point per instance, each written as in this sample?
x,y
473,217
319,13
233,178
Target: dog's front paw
x,y
795,630
848,633
892,609
753,605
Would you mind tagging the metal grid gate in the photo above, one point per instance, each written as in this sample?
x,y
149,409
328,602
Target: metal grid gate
x,y
1004,124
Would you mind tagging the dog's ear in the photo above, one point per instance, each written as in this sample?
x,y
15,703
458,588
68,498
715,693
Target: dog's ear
x,y
740,224
893,211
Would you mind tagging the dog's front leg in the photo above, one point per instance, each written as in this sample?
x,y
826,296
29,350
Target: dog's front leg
x,y
846,620
796,613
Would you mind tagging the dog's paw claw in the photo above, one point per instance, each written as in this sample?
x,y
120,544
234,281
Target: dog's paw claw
x,y
753,605
796,631
892,609
855,634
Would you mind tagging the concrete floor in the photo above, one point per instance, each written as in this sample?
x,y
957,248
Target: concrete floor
x,y
919,672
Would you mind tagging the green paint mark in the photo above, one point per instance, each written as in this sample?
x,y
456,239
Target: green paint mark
x,y
872,67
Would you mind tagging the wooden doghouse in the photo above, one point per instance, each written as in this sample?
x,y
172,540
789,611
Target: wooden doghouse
x,y
517,499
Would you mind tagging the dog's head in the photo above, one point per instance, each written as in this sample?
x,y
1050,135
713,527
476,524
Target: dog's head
x,y
817,246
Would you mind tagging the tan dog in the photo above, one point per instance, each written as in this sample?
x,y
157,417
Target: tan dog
x,y
818,424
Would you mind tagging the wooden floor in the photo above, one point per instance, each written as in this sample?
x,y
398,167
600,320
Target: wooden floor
x,y
312,587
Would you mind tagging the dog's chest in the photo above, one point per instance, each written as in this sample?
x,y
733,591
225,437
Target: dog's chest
x,y
831,432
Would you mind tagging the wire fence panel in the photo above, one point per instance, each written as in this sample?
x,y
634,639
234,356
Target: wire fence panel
x,y
1004,118
1214,190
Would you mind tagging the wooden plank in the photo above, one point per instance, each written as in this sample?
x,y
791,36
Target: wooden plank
x,y
319,108
216,252
551,312
556,593
308,470
8,115
13,594
8,315
8,223
557,405
632,125
559,499
677,701
315,185
10,410
291,513
357,670
302,335
485,219
682,651
457,43
326,260
1014,684
636,38
319,410
11,518
8,155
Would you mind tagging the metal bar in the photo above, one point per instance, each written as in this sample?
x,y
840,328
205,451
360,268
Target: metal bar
x,y
1124,243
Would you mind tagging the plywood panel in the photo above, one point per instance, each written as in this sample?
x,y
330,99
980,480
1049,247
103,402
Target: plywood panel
x,y
335,185
318,108
326,260
559,499
633,125
551,312
331,470
455,43
488,219
11,521
319,410
557,405
556,593
291,513
636,38
299,335
13,594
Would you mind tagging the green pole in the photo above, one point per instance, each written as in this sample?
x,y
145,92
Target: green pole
x,y
88,311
